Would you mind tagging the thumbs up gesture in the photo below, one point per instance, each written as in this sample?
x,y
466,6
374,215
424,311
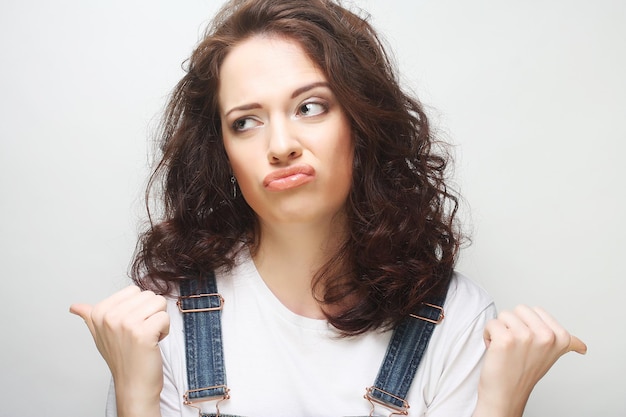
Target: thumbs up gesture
x,y
127,328
522,345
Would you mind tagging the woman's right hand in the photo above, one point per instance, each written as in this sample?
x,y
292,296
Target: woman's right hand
x,y
127,328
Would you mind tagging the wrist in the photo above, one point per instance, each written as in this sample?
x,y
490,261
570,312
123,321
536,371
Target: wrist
x,y
138,409
136,402
500,406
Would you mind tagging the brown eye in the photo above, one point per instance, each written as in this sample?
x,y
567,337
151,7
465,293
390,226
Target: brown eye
x,y
243,124
312,109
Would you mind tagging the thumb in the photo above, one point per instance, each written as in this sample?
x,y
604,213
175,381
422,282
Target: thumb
x,y
577,345
82,310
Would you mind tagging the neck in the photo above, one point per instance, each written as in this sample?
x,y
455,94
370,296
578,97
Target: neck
x,y
289,255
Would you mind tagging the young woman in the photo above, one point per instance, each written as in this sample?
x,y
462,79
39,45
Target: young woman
x,y
305,204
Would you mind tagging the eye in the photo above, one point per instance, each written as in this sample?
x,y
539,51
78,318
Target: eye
x,y
245,123
312,109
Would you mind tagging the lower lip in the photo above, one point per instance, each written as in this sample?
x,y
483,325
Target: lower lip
x,y
287,183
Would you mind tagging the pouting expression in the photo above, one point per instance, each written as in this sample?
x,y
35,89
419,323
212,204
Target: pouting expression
x,y
286,135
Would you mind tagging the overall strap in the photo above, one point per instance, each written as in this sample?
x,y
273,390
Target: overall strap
x,y
404,353
201,306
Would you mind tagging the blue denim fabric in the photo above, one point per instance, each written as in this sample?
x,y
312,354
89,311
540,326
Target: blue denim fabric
x,y
205,356
404,354
203,331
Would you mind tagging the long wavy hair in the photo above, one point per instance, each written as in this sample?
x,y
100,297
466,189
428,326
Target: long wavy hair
x,y
402,239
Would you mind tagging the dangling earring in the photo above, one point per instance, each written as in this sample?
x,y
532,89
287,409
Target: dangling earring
x,y
233,182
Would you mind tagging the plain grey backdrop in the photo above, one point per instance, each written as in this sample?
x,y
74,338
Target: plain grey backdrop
x,y
531,93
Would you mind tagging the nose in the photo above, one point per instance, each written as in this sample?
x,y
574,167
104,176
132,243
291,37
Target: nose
x,y
283,144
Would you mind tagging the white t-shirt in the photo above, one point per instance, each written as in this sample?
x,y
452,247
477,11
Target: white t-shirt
x,y
281,364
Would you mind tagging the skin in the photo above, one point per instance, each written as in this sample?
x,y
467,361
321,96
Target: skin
x,y
127,328
278,113
522,345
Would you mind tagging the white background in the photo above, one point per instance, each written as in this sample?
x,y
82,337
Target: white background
x,y
532,94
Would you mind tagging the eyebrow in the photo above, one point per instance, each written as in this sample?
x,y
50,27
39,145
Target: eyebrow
x,y
295,94
243,108
308,87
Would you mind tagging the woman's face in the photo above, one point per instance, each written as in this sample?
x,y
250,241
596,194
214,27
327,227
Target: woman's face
x,y
287,138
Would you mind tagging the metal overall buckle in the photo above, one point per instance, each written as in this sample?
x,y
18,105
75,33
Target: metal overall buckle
x,y
436,307
191,402
396,411
179,303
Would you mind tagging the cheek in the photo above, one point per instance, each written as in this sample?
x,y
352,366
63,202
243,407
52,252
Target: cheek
x,y
345,152
244,168
242,172
236,156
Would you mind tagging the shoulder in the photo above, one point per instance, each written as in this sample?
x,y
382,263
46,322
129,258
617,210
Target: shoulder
x,y
468,307
445,384
464,293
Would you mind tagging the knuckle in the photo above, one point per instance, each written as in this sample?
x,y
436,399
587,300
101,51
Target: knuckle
x,y
562,337
521,309
525,336
110,319
506,340
99,315
507,317
545,337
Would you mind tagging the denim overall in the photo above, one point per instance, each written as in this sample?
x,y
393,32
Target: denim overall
x,y
201,306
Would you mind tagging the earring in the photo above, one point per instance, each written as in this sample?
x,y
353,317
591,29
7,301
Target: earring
x,y
233,182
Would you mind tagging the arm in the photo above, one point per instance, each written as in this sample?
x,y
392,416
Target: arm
x,y
127,328
521,347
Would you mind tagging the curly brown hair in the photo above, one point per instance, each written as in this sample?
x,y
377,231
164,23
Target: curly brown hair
x,y
402,242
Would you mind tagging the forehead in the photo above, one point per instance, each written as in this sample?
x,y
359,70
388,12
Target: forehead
x,y
264,67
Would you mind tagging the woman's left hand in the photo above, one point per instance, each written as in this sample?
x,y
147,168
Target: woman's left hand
x,y
522,346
